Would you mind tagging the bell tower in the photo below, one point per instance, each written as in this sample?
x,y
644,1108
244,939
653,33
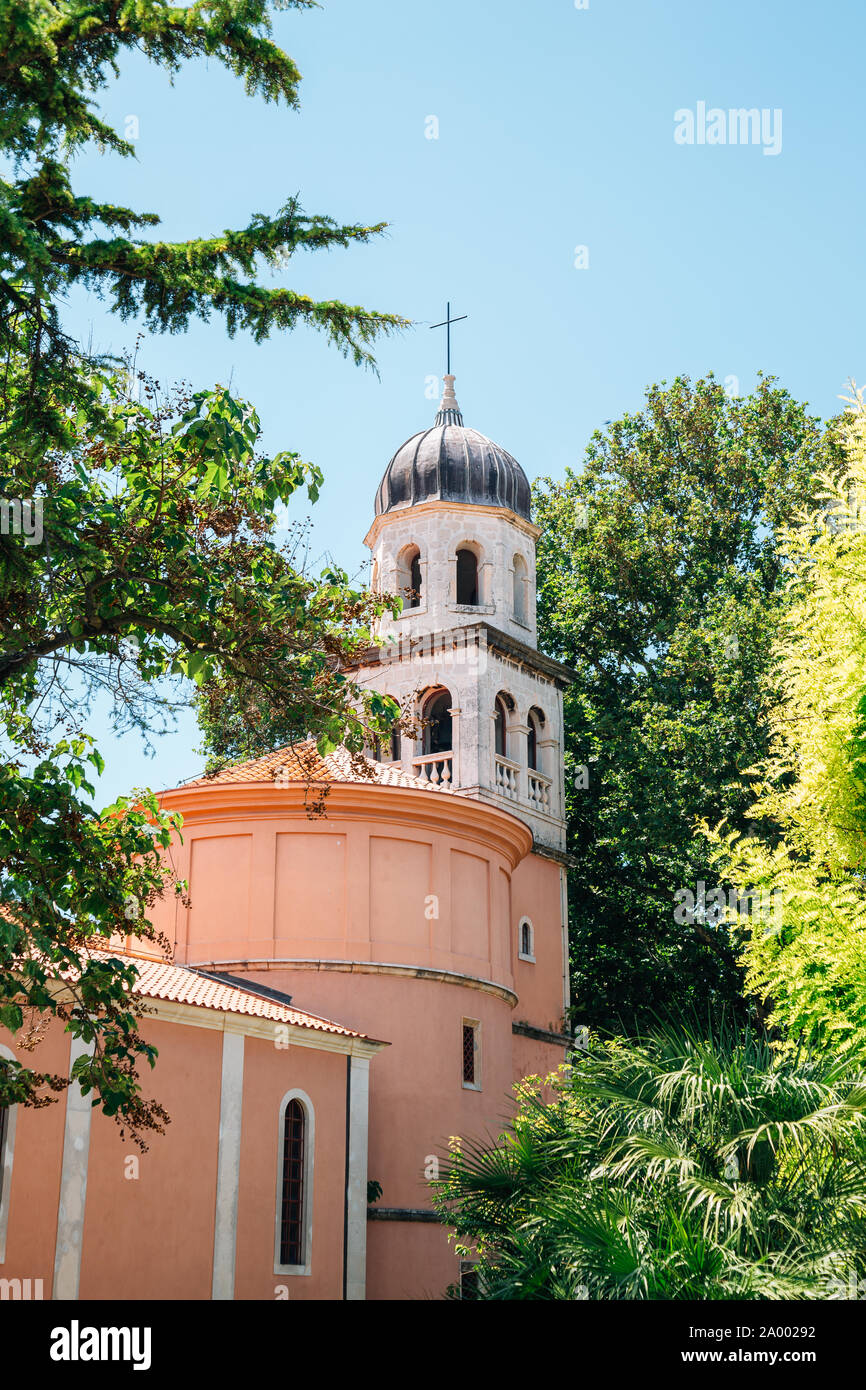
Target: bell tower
x,y
454,537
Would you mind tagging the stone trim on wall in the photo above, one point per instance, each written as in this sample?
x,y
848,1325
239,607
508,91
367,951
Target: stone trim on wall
x,y
370,967
73,1183
528,1030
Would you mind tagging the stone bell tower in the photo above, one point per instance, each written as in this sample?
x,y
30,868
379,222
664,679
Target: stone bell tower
x,y
453,536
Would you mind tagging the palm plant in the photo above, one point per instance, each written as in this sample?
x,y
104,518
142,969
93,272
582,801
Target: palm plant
x,y
688,1163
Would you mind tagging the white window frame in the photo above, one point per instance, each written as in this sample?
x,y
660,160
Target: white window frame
x,y
521,955
309,1141
7,1157
475,1025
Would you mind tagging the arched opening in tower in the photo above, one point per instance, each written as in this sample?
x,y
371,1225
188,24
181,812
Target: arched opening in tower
x,y
437,724
467,577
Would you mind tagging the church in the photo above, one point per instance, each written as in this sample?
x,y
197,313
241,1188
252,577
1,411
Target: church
x,y
369,958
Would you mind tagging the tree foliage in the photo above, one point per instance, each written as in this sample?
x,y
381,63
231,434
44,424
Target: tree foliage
x,y
55,58
158,558
809,842
660,583
688,1163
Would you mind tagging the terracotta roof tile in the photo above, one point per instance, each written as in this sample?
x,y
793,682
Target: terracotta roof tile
x,y
159,979
301,762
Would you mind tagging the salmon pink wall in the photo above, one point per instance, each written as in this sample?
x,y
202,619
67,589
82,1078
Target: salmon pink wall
x,y
268,1074
38,1154
410,1260
149,1217
394,913
535,893
417,1098
347,889
152,1236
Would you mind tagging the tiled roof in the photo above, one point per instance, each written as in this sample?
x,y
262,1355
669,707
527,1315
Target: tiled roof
x,y
301,762
158,979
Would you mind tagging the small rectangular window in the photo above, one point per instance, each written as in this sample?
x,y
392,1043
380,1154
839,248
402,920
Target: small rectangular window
x,y
471,1054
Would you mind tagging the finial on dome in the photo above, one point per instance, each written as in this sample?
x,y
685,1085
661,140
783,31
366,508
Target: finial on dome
x,y
449,410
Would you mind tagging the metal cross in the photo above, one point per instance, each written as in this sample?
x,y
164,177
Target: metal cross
x,y
446,323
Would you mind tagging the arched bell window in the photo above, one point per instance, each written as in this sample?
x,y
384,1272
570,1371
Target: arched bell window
x,y
409,579
437,723
392,748
536,723
500,727
415,581
467,576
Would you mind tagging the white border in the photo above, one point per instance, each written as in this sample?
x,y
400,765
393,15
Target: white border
x,y
7,1157
475,1024
526,921
225,1237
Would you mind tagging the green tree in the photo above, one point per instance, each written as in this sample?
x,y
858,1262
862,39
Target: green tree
x,y
157,556
807,853
660,583
687,1163
55,58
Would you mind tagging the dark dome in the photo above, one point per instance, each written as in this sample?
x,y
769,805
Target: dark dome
x,y
452,463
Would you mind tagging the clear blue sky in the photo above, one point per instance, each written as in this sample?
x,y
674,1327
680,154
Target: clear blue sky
x,y
556,129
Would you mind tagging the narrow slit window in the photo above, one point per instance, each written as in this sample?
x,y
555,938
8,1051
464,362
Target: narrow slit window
x,y
471,1056
527,940
292,1196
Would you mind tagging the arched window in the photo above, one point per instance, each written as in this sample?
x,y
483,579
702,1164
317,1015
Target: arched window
x,y
500,722
394,741
409,580
536,722
519,589
294,1190
526,942
437,723
292,1216
467,576
415,581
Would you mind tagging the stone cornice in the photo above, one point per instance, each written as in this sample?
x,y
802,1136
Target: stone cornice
x,y
440,811
367,967
545,1035
512,647
563,857
529,528
408,647
424,1214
